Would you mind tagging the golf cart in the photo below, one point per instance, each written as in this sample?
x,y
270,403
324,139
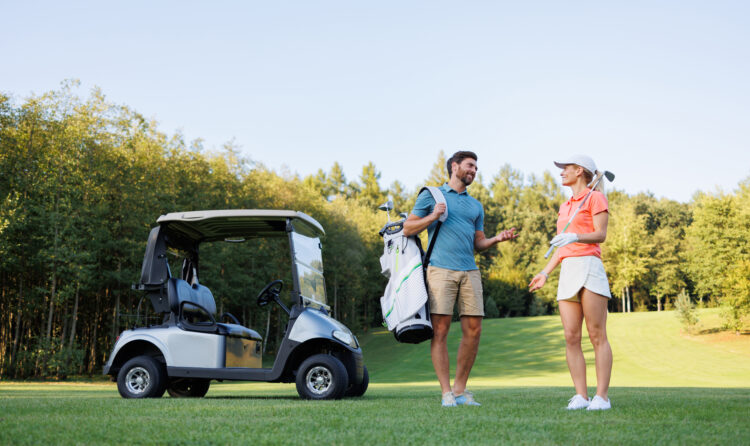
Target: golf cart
x,y
191,345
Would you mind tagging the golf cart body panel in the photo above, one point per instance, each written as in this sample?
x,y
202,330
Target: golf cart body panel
x,y
182,348
190,343
179,348
314,324
138,338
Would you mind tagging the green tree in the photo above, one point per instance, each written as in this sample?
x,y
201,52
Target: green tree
x,y
669,220
370,194
398,193
736,298
686,312
438,173
717,238
627,249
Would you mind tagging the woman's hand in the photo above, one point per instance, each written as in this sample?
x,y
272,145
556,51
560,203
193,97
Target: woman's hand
x,y
537,282
563,239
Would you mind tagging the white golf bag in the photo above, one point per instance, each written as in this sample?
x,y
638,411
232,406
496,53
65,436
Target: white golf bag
x,y
405,303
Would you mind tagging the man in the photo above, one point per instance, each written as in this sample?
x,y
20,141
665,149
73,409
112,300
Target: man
x,y
452,273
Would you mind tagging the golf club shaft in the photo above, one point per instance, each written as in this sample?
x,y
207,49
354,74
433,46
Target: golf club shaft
x,y
596,183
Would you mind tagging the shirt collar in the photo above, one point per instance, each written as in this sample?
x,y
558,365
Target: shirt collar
x,y
580,196
447,189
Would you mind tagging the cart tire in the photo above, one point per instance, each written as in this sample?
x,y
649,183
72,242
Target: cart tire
x,y
322,377
359,390
188,387
142,377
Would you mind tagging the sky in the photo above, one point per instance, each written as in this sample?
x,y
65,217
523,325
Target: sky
x,y
657,92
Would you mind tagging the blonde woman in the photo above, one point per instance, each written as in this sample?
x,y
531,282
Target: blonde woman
x,y
583,291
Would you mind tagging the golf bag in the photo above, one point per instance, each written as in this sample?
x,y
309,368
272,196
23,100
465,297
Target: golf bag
x,y
405,303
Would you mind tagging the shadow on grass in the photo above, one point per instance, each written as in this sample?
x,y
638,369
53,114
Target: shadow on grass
x,y
520,348
716,330
517,347
255,397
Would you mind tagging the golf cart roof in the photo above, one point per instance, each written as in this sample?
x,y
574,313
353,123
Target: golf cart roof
x,y
187,230
206,226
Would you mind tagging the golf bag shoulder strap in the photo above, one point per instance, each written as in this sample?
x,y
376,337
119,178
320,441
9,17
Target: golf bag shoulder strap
x,y
438,196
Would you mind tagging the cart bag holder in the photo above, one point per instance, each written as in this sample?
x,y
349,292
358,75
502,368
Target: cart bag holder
x,y
405,304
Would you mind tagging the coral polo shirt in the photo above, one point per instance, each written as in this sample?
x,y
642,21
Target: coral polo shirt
x,y
583,223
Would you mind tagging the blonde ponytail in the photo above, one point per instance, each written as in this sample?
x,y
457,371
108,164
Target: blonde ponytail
x,y
589,178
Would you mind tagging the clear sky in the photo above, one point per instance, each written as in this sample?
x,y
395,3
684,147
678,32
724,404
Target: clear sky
x,y
657,92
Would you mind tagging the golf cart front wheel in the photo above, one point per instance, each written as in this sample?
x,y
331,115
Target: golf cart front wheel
x,y
142,377
188,388
322,377
357,390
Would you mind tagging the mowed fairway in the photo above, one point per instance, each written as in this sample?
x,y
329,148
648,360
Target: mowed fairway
x,y
667,388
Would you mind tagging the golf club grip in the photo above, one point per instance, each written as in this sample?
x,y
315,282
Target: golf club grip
x,y
549,251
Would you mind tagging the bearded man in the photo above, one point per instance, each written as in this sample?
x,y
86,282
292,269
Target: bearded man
x,y
452,274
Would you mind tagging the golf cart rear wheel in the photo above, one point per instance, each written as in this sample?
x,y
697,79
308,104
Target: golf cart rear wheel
x,y
142,377
322,377
188,387
360,389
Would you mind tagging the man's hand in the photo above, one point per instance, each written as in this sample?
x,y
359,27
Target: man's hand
x,y
481,242
508,234
414,225
438,211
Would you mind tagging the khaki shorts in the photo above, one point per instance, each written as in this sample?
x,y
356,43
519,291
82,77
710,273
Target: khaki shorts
x,y
446,285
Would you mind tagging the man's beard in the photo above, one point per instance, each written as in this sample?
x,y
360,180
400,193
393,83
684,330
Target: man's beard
x,y
463,176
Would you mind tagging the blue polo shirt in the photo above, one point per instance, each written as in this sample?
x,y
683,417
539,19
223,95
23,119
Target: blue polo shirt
x,y
454,248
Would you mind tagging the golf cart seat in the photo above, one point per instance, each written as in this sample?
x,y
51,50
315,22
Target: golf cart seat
x,y
180,291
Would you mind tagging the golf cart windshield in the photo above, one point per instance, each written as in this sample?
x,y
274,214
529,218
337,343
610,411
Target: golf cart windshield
x,y
308,260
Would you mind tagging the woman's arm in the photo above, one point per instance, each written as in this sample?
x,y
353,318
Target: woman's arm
x,y
600,221
540,279
600,229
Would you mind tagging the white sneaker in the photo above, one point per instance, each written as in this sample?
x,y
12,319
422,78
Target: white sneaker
x,y
578,402
599,403
466,399
448,400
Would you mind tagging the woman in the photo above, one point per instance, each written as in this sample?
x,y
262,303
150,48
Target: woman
x,y
583,291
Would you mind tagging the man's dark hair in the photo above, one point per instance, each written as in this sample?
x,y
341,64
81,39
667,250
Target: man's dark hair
x,y
457,158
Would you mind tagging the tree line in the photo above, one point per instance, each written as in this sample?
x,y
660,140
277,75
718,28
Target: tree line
x,y
83,180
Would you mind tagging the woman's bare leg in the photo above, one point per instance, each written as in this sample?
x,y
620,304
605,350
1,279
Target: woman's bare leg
x,y
571,314
595,313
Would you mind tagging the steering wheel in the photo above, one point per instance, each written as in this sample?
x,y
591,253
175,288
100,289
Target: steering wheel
x,y
270,292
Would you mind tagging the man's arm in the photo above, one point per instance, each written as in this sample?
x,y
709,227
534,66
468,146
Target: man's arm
x,y
481,242
414,224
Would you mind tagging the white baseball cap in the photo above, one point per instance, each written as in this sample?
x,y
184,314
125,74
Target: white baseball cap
x,y
580,160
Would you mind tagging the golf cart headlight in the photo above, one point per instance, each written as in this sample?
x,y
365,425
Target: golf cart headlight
x,y
343,336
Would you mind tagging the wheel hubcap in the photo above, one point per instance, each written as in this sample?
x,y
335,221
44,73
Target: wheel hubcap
x,y
137,380
319,380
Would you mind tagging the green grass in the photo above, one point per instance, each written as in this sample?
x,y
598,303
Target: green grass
x,y
667,388
649,349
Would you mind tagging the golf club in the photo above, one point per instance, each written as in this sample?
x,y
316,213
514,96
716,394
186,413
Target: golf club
x,y
606,174
387,207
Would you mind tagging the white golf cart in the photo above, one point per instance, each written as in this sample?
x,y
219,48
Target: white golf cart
x,y
191,346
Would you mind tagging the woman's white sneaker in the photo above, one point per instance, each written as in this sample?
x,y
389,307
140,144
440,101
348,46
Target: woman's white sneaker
x,y
599,403
578,402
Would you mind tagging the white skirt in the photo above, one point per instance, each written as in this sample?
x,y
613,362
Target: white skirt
x,y
582,272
